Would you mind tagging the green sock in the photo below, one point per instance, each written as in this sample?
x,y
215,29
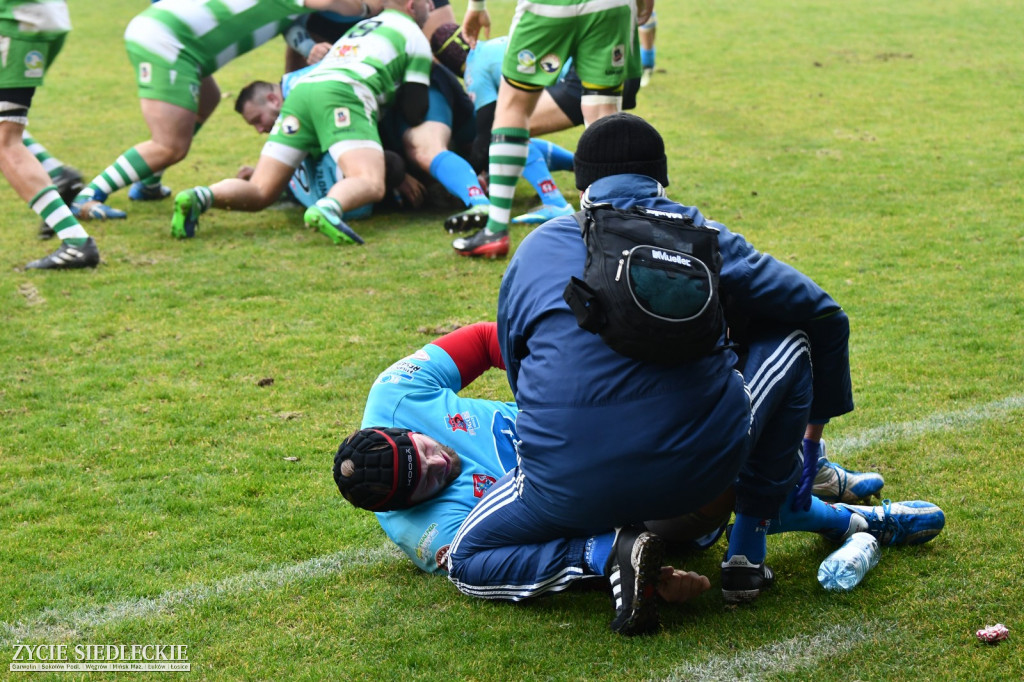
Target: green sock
x,y
48,204
508,151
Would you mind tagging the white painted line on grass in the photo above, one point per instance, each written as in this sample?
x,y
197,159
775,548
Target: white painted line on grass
x,y
943,421
788,656
54,625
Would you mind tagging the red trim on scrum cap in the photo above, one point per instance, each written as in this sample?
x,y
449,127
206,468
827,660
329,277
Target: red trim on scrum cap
x,y
411,475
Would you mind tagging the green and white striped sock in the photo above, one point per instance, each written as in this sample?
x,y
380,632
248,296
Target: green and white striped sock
x,y
128,168
51,164
48,204
508,151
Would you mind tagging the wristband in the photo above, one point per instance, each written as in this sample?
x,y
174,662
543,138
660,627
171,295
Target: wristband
x,y
477,5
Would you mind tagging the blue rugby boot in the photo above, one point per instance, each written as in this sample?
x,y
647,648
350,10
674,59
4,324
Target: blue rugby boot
x,y
92,209
542,214
834,483
143,192
900,523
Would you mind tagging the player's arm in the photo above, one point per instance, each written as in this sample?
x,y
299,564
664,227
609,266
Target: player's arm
x,y
476,18
474,349
412,100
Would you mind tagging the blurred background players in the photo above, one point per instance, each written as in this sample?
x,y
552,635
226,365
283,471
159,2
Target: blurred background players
x,y
598,35
31,36
334,109
175,48
647,33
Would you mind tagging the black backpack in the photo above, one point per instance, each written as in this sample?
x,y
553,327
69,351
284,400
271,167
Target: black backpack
x,y
650,284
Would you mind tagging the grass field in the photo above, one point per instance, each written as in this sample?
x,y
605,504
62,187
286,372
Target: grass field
x,y
152,491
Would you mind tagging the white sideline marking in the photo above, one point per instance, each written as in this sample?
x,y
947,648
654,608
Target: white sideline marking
x,y
788,656
943,421
54,625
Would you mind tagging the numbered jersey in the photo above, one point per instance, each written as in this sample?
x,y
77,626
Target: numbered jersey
x,y
381,53
210,33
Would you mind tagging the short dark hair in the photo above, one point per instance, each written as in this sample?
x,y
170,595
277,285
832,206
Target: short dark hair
x,y
251,91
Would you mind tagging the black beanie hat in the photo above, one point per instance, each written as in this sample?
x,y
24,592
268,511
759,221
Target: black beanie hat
x,y
620,143
377,468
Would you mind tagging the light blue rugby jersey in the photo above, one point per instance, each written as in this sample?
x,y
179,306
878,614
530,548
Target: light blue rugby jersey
x,y
483,71
420,392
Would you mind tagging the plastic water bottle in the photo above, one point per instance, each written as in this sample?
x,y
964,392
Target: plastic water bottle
x,y
844,568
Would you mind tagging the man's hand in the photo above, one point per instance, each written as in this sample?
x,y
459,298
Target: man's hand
x,y
245,172
644,10
318,52
412,191
473,22
676,586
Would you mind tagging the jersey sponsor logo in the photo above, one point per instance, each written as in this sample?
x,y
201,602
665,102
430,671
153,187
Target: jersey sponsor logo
x,y
393,378
463,422
482,483
442,556
663,214
548,186
345,51
289,125
527,62
34,63
342,118
551,63
145,73
423,546
405,366
619,55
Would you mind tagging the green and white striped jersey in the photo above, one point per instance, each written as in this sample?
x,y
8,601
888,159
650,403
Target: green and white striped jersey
x,y
21,19
381,53
210,33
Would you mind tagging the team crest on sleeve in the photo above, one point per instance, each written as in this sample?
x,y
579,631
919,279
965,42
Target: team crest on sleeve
x,y
342,119
289,125
145,73
421,355
482,483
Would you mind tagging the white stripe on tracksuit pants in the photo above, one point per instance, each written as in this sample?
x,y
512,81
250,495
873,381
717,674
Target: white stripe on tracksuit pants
x,y
504,550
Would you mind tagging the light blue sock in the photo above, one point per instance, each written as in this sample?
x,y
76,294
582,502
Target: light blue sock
x,y
457,176
536,172
749,537
597,551
557,158
647,58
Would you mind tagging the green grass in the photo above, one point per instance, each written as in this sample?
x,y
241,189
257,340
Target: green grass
x,y
145,494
